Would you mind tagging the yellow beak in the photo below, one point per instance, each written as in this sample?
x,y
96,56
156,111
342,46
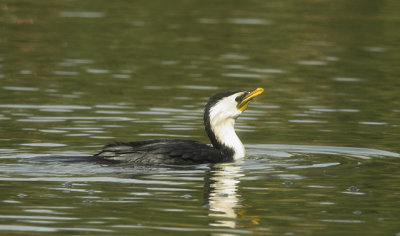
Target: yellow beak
x,y
246,100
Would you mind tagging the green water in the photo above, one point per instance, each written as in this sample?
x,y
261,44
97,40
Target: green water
x,y
322,141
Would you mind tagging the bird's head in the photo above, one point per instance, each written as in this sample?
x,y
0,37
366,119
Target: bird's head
x,y
219,119
230,104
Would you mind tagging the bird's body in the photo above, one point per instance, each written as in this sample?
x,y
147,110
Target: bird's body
x,y
220,114
162,151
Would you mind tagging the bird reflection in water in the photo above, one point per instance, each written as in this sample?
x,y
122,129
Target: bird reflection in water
x,y
221,193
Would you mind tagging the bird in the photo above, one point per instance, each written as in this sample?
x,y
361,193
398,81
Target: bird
x,y
220,114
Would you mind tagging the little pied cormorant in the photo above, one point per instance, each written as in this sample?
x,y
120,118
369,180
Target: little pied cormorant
x,y
220,114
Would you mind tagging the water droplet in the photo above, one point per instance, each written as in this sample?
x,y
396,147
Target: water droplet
x,y
287,183
353,189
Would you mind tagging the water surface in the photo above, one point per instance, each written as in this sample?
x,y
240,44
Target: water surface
x,y
322,141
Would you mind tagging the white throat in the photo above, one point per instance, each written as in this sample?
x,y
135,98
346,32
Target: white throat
x,y
225,134
222,121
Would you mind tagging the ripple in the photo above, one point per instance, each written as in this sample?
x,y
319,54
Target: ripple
x,y
375,49
81,14
170,189
199,87
372,123
308,121
39,120
288,176
26,106
334,110
27,228
150,113
43,144
331,58
353,193
80,128
56,110
110,112
351,151
242,75
319,186
80,61
2,117
312,63
234,56
44,211
113,106
22,89
169,63
64,118
48,229
38,217
74,62
97,71
67,73
321,165
121,76
343,221
170,210
11,201
249,21
267,71
234,66
165,135
77,135
325,203
347,79
52,131
102,137
176,127
266,106
76,190
169,110
184,229
7,150
25,72
92,179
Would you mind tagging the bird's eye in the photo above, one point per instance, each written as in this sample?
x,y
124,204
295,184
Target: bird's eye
x,y
240,98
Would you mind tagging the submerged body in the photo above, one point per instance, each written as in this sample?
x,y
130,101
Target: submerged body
x,y
220,114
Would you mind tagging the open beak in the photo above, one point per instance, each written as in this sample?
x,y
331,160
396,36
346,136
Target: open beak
x,y
248,97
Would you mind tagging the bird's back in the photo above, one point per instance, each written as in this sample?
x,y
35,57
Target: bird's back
x,y
162,151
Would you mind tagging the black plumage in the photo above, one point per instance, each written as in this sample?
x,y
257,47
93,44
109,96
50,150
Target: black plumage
x,y
166,151
175,151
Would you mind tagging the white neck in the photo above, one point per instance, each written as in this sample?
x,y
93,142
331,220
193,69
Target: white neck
x,y
225,133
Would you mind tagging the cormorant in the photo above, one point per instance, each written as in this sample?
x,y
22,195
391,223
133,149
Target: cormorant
x,y
220,114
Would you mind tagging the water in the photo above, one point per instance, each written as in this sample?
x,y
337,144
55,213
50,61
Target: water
x,y
322,141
